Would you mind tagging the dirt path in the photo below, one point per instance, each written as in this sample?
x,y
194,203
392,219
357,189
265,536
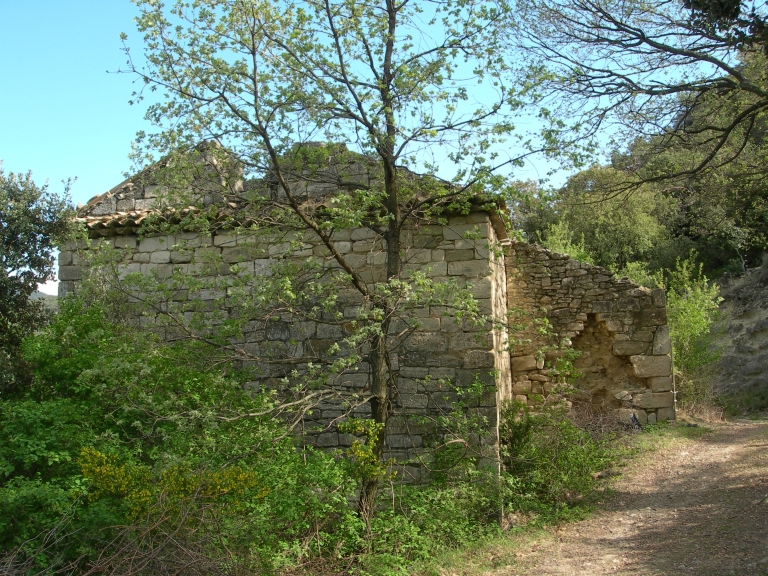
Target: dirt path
x,y
698,507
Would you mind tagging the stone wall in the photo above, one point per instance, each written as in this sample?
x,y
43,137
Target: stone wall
x,y
442,357
544,298
619,328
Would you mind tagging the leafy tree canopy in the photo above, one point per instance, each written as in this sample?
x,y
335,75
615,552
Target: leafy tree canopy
x,y
744,22
32,221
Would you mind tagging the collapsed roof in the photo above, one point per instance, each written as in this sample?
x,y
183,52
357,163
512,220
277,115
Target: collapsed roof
x,y
218,187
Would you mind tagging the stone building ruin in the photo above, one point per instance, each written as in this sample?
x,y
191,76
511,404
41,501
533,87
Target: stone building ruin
x,y
618,327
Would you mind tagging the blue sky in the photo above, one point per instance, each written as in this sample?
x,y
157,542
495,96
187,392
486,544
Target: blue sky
x,y
61,113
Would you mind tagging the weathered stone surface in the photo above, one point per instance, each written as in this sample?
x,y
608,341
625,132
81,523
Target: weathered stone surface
x,y
521,387
181,256
125,242
461,231
479,359
70,272
469,268
403,441
328,440
363,234
469,340
624,415
665,414
66,288
155,243
523,363
651,366
629,348
434,341
653,317
466,378
331,331
414,401
602,307
455,255
446,373
629,304
414,371
662,343
160,257
642,336
660,384
653,400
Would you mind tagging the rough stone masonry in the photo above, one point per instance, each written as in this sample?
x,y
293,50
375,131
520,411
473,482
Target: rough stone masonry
x,y
618,327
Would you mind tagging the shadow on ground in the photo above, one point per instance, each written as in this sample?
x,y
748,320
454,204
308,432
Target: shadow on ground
x,y
698,507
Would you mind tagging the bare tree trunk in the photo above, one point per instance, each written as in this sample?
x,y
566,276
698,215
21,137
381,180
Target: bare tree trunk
x,y
379,413
381,379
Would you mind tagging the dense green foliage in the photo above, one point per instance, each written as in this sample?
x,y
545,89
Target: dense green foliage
x,y
32,222
115,429
692,307
122,449
548,458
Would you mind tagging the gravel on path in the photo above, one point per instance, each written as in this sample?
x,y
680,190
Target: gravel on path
x,y
699,507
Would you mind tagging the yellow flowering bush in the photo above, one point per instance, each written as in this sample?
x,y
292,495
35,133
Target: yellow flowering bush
x,y
142,489
365,464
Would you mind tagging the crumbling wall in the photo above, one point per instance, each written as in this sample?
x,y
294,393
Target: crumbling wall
x,y
544,298
619,328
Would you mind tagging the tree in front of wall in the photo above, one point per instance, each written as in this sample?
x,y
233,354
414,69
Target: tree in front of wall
x,y
32,221
409,86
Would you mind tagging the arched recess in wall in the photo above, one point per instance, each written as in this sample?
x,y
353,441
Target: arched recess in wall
x,y
604,374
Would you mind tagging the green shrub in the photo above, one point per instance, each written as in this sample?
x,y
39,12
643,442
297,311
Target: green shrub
x,y
559,238
692,308
118,429
549,459
421,520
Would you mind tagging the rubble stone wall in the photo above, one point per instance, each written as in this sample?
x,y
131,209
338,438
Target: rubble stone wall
x,y
619,328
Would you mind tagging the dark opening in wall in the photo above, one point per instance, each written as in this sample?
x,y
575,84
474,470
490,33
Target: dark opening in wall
x,y
603,374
